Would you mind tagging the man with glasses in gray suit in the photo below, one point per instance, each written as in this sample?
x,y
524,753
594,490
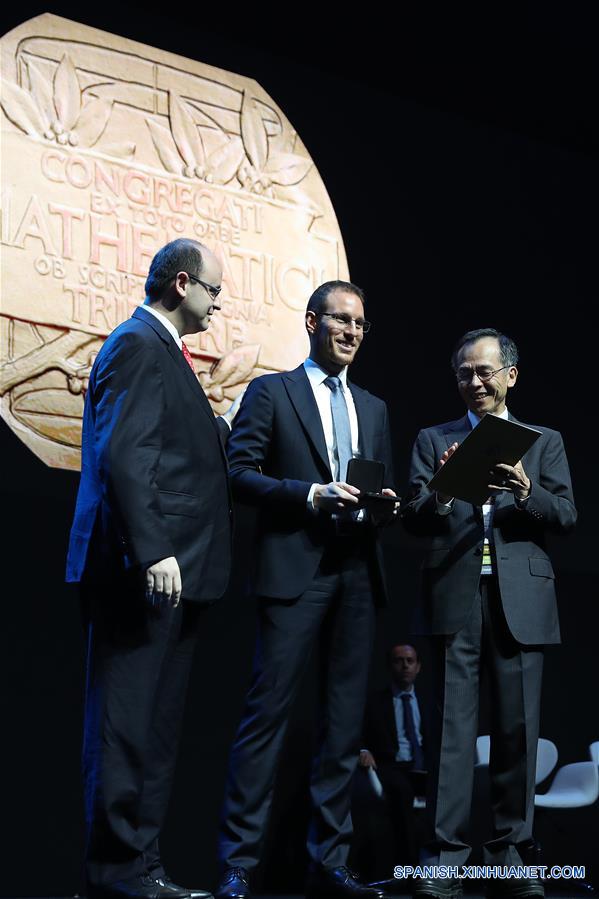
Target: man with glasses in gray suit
x,y
488,601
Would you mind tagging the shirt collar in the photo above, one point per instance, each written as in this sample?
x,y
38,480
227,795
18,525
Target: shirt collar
x,y
397,691
475,420
317,375
167,324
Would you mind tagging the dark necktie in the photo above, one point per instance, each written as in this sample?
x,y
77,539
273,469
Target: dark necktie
x,y
408,720
341,426
187,357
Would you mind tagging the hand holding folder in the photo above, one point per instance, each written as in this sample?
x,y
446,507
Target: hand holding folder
x,y
488,459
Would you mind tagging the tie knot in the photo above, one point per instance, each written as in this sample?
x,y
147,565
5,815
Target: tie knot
x,y
333,383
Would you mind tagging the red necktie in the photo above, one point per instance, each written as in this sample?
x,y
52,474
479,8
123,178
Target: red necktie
x,y
188,358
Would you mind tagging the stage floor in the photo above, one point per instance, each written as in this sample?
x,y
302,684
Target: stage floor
x,y
550,894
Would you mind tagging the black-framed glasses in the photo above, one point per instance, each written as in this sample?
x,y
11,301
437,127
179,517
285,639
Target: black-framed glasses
x,y
212,291
484,374
341,320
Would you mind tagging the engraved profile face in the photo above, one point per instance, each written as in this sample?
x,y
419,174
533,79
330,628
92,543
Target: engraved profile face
x,y
111,149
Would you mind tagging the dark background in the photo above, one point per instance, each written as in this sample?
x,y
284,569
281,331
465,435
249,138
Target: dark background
x,y
459,148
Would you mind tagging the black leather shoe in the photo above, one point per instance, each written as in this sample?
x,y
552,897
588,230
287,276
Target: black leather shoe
x,y
437,887
177,892
515,888
339,883
235,884
143,886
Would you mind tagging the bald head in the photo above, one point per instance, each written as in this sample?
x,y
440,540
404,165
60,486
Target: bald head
x,y
183,285
181,255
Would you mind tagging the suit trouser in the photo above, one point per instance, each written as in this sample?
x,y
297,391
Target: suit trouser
x,y
138,665
514,674
337,610
398,788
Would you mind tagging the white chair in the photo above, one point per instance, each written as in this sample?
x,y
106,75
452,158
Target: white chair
x,y
594,752
547,756
573,786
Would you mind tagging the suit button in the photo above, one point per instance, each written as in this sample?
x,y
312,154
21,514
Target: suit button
x,y
478,551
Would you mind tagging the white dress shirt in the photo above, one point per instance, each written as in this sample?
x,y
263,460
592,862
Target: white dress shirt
x,y
488,510
322,394
167,324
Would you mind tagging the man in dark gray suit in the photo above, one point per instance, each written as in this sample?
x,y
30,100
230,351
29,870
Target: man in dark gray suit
x,y
488,601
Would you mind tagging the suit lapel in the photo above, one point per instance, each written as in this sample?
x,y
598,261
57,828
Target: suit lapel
x,y
424,723
179,360
191,379
457,431
389,716
506,497
365,421
302,398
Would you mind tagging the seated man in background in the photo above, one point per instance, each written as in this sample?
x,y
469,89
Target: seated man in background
x,y
393,747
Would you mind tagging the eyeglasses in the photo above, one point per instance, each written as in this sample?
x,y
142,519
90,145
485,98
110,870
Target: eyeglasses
x,y
212,291
465,375
341,320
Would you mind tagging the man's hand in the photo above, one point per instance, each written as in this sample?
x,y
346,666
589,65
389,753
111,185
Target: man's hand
x,y
163,584
444,500
381,513
367,759
510,478
335,497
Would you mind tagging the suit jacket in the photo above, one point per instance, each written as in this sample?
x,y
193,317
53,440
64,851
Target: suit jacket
x,y
452,566
154,470
380,730
276,452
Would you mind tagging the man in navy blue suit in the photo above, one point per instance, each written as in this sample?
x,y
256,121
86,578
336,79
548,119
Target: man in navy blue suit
x,y
319,577
150,545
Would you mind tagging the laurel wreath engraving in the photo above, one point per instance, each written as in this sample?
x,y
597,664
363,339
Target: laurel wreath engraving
x,y
231,370
201,128
252,157
61,112
51,354
261,157
61,353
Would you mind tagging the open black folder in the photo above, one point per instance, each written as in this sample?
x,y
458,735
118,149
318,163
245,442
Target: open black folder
x,y
466,474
